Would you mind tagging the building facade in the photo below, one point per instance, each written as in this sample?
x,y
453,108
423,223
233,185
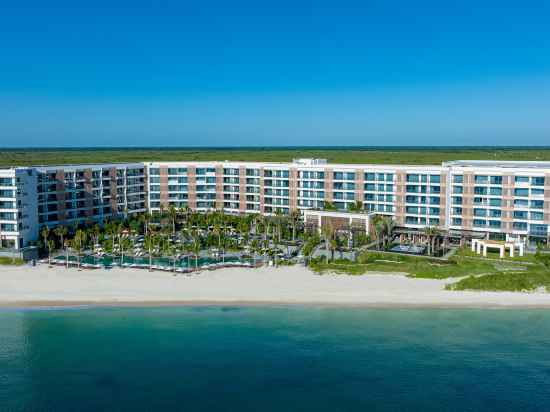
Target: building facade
x,y
465,198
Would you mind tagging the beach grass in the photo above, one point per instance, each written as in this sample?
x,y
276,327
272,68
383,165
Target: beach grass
x,y
526,281
11,261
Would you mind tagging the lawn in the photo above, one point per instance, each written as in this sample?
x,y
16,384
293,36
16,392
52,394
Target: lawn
x,y
477,274
26,157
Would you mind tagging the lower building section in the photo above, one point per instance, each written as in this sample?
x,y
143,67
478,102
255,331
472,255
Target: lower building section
x,y
474,199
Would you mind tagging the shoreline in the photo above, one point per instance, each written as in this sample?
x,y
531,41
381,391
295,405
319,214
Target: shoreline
x,y
53,305
44,287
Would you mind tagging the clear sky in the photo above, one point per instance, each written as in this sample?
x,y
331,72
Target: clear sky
x,y
217,73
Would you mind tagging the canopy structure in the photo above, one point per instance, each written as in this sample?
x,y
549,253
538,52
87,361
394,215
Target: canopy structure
x,y
481,246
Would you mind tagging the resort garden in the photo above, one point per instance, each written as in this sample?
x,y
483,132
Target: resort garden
x,y
178,240
182,240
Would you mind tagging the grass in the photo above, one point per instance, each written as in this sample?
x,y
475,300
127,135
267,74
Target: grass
x,y
27,157
478,274
527,281
11,261
467,252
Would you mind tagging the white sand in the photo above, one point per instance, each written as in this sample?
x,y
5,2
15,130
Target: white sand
x,y
22,286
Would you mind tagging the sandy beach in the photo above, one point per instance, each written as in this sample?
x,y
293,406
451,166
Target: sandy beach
x,y
44,286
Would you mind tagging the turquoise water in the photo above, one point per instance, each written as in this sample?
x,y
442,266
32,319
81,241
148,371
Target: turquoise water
x,y
274,359
128,260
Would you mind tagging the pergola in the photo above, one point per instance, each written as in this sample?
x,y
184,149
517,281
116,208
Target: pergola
x,y
479,245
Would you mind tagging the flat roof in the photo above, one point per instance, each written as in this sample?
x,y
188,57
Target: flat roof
x,y
499,163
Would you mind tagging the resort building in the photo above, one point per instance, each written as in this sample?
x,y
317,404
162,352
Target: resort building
x,y
466,199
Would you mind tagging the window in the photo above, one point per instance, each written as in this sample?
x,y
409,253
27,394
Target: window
x,y
520,225
458,178
537,216
495,191
537,204
457,221
481,179
369,177
495,180
520,214
522,179
154,171
435,178
480,190
413,178
480,212
537,191
521,192
495,213
480,223
495,224
495,202
389,177
537,181
521,203
457,189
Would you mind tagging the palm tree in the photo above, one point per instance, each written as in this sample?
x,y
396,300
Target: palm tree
x,y
78,244
66,244
61,231
51,246
45,232
356,207
333,245
196,248
125,244
431,233
328,234
329,206
389,226
150,243
173,214
294,220
96,231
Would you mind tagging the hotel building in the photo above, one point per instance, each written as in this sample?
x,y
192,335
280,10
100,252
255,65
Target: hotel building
x,y
464,198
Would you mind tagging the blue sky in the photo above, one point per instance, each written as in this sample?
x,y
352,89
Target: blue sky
x,y
217,73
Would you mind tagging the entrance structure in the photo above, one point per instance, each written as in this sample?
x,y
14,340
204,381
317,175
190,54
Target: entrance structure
x,y
481,246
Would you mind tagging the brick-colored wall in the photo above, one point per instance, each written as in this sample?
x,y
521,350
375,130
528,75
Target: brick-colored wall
x,y
242,189
359,185
219,187
328,185
192,186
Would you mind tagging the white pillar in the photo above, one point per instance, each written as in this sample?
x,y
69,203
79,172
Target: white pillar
x,y
478,247
512,250
474,245
485,250
319,221
501,248
521,249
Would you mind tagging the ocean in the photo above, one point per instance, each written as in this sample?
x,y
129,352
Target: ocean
x,y
289,358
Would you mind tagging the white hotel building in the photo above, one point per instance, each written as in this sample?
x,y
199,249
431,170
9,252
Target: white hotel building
x,y
464,198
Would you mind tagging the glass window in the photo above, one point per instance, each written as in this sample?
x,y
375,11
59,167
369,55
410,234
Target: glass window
x,y
457,221
458,178
481,179
537,181
522,179
496,180
521,192
520,214
154,171
537,216
369,177
435,178
520,225
537,191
